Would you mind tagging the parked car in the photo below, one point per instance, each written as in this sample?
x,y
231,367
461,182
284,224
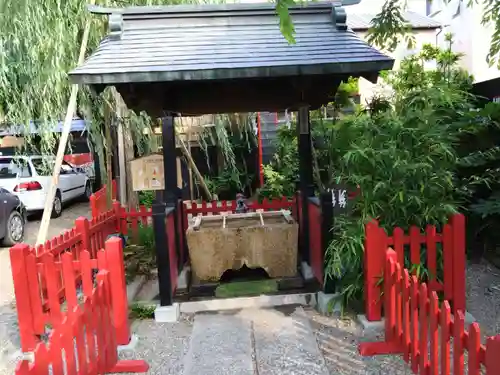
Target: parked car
x,y
29,178
12,218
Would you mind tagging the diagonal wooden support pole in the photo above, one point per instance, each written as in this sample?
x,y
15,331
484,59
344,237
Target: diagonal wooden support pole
x,y
49,199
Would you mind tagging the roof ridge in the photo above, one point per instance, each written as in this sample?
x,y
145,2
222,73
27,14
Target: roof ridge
x,y
117,16
211,8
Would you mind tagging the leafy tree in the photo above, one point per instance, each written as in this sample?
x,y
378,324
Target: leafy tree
x,y
39,45
401,152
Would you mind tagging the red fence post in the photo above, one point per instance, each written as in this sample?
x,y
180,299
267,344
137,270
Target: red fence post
x,y
114,261
492,360
391,260
118,215
18,255
93,206
83,228
458,230
113,189
374,259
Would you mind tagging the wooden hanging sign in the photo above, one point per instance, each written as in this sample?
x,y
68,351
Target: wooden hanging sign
x,y
147,173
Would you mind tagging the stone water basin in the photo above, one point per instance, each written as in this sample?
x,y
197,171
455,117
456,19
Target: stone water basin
x,y
229,241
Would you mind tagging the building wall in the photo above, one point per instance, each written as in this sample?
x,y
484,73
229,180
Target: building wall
x,y
367,89
374,6
470,37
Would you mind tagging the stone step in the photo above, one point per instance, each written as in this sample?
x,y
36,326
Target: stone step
x,y
285,344
220,344
254,341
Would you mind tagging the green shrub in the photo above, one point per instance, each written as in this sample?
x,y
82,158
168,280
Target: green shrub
x,y
146,198
402,153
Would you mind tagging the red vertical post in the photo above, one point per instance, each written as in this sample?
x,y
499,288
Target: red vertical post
x,y
93,206
18,255
492,360
390,295
445,337
117,211
259,139
114,189
458,233
473,349
83,228
424,329
434,334
374,269
114,261
458,343
447,262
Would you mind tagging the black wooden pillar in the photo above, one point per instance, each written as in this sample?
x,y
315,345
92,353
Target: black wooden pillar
x,y
305,175
171,193
169,160
162,254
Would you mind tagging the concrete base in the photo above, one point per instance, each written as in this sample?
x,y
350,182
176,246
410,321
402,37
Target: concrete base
x,y
134,288
378,326
130,346
18,355
306,271
370,326
245,302
167,314
183,278
326,303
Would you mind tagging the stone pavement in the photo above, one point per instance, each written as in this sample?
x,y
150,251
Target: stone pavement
x,y
262,341
289,340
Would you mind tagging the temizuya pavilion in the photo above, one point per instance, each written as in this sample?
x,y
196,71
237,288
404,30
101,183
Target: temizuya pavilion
x,y
204,59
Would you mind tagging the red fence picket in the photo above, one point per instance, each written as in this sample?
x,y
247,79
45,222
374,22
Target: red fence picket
x,y
99,200
132,219
423,331
452,240
46,284
85,334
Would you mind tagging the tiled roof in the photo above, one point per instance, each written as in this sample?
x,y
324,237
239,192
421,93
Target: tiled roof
x,y
174,43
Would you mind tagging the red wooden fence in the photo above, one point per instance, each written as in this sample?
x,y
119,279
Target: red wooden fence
x,y
424,331
216,207
85,334
452,242
128,221
44,282
99,200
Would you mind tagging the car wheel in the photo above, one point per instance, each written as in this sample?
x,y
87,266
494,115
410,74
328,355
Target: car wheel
x,y
88,191
15,229
57,206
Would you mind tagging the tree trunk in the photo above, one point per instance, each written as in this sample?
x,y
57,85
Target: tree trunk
x,y
132,196
108,155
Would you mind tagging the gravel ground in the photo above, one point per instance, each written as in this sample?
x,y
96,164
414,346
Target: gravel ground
x,y
162,345
483,296
9,333
338,340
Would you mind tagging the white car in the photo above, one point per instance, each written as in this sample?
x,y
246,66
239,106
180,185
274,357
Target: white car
x,y
29,178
